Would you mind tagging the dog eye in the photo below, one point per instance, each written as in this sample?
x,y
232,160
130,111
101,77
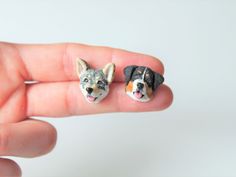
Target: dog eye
x,y
99,82
85,80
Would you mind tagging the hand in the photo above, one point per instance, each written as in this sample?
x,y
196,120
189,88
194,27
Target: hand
x,y
56,93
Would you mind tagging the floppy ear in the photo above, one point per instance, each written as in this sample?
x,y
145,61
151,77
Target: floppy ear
x,y
81,66
128,71
158,80
109,71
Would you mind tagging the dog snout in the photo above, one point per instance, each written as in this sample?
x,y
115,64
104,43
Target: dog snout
x,y
140,86
89,90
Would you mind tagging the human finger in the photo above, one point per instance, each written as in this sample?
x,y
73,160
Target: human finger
x,y
29,138
56,62
9,168
65,99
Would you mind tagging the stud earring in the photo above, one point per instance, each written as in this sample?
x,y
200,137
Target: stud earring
x,y
94,84
141,82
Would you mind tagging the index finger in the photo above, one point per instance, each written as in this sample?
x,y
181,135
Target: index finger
x,y
56,62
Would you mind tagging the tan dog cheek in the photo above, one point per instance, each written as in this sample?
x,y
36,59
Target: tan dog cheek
x,y
149,92
129,87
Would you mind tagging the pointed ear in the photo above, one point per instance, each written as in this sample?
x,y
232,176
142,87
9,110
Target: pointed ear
x,y
128,71
109,71
81,66
158,80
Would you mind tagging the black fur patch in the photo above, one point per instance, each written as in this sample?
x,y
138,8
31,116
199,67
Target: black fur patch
x,y
152,78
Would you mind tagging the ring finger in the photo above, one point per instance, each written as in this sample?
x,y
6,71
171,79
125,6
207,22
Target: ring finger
x,y
9,168
29,138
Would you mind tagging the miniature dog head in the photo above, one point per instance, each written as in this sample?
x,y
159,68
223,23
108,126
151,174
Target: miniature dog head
x,y
141,82
94,84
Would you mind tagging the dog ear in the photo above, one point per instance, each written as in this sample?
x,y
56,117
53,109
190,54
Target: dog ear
x,y
109,71
81,66
128,71
158,80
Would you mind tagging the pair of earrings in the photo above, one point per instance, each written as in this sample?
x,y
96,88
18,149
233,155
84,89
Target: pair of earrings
x,y
140,81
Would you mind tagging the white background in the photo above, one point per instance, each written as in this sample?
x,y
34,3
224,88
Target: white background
x,y
196,40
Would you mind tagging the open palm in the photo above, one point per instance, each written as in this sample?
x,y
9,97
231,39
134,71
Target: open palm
x,y
55,92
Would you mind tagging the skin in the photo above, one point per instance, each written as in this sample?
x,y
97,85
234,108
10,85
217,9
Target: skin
x,y
53,69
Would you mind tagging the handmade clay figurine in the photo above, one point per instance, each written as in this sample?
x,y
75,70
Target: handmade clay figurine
x,y
141,82
94,84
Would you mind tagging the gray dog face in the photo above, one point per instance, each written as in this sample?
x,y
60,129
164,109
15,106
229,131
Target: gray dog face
x,y
94,84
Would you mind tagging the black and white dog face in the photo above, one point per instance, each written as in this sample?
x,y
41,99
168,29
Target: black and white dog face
x,y
141,82
94,84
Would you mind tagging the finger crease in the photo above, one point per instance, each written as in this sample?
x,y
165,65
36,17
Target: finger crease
x,y
67,63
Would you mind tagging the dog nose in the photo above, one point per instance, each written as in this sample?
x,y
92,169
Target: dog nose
x,y
140,85
89,90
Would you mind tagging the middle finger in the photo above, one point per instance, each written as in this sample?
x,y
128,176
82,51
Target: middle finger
x,y
29,138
